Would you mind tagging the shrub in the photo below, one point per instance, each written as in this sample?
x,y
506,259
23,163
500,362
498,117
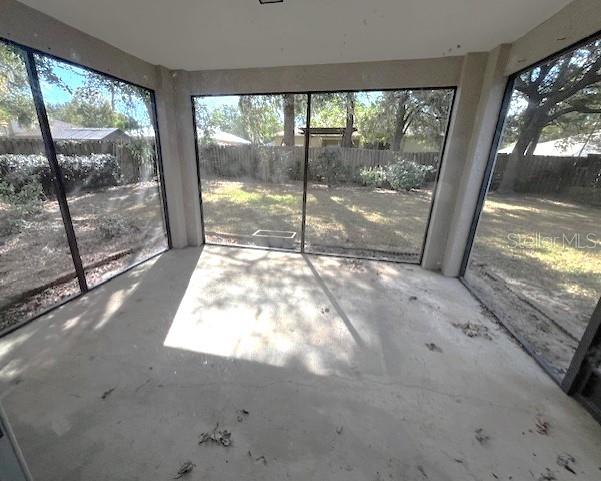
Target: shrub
x,y
407,175
90,171
373,176
329,167
111,227
80,172
275,165
24,203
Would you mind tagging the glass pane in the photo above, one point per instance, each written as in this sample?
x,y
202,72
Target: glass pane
x,y
106,145
373,161
36,269
536,259
251,158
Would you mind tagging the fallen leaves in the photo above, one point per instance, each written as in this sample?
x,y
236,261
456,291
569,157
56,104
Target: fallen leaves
x,y
222,437
184,469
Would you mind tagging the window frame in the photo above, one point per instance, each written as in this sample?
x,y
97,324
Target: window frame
x,y
309,93
50,149
569,382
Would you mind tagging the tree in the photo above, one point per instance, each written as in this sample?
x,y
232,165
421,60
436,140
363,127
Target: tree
x,y
395,114
336,110
347,136
87,109
289,115
15,96
260,119
551,92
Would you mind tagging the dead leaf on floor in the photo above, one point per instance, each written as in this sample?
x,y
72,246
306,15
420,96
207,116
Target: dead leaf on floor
x,y
107,393
263,459
354,265
565,461
184,469
433,347
217,436
339,429
242,414
471,329
542,426
481,436
548,475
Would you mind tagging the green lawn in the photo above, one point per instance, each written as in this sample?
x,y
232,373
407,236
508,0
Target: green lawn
x,y
347,217
537,261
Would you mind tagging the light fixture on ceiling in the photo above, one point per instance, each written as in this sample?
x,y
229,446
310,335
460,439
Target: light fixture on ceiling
x,y
265,2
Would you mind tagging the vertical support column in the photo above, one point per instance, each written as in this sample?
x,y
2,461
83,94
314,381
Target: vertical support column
x,y
306,171
186,145
453,162
491,101
165,105
59,182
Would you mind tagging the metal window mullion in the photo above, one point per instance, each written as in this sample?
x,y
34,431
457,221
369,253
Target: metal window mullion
x,y
572,381
306,171
198,175
59,182
161,172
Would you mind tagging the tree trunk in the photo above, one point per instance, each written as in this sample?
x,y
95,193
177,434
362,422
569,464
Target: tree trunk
x,y
526,140
399,126
347,136
289,137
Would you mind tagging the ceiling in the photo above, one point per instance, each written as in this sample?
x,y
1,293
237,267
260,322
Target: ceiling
x,y
215,34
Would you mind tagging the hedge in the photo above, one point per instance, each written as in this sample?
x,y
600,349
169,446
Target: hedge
x,y
79,172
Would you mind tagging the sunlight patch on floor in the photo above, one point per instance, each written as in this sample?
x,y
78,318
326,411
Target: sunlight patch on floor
x,y
295,326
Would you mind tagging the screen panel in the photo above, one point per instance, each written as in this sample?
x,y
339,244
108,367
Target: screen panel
x,y
536,255
373,162
36,268
251,160
103,131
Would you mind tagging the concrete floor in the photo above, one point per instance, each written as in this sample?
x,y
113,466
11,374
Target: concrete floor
x,y
328,356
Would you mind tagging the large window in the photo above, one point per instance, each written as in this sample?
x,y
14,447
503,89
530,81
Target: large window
x,y
368,162
251,156
373,163
83,203
36,269
104,133
536,257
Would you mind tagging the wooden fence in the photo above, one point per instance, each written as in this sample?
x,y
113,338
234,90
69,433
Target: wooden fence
x,y
275,163
133,167
576,176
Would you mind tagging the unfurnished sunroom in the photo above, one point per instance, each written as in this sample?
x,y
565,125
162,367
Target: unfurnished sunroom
x,y
300,240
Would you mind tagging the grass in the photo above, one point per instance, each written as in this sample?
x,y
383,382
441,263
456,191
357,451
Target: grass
x,y
106,222
540,260
350,217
